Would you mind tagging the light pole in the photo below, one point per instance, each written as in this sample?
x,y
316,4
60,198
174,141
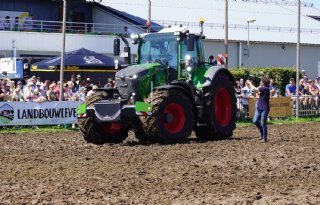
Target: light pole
x,y
149,17
298,60
226,30
63,49
252,20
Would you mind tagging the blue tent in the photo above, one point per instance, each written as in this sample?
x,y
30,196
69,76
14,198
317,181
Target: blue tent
x,y
78,60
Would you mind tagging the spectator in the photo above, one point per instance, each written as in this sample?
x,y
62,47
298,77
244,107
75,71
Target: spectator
x,y
17,95
291,88
12,86
241,83
29,92
313,89
68,94
7,24
50,93
39,89
306,95
237,88
274,92
2,93
19,85
110,83
18,24
127,31
38,98
93,90
78,81
28,23
46,85
75,87
82,94
318,82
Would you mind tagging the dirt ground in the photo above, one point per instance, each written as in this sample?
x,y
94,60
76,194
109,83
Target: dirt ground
x,y
61,168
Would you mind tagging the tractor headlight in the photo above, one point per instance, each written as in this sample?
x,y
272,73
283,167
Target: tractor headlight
x,y
188,59
116,64
189,68
135,76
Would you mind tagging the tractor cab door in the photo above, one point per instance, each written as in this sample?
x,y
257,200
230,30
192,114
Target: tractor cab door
x,y
196,56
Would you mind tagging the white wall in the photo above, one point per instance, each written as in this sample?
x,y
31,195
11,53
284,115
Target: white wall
x,y
37,43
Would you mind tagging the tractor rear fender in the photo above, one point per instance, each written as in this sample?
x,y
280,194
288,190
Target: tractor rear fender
x,y
214,71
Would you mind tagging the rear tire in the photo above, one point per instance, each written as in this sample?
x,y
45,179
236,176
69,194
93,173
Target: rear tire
x,y
172,117
100,133
220,110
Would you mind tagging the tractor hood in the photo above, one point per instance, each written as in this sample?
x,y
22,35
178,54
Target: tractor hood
x,y
138,70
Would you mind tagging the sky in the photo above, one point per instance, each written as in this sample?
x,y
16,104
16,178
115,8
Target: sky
x,y
315,2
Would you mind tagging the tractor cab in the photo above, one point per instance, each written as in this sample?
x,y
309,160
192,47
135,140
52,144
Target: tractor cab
x,y
176,49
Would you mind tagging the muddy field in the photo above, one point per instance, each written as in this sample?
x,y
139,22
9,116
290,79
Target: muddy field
x,y
61,168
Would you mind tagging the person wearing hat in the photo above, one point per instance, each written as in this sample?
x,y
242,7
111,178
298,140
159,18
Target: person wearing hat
x,y
78,81
17,95
75,87
29,92
39,89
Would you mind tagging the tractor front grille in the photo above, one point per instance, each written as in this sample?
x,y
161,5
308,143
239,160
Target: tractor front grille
x,y
126,86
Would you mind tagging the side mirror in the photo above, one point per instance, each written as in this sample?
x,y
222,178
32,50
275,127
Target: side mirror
x,y
116,47
190,42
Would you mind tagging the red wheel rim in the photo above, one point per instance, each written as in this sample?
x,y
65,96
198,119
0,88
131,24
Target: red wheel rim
x,y
222,107
111,128
174,118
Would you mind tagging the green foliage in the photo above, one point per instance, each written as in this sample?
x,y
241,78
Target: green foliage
x,y
281,76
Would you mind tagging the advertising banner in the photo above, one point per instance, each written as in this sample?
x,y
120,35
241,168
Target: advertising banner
x,y
45,113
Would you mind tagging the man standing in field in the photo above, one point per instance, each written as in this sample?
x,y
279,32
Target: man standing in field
x,y
262,107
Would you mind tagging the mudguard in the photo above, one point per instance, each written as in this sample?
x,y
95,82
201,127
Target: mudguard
x,y
213,71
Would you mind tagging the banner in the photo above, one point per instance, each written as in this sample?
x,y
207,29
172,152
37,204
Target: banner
x,y
279,107
31,113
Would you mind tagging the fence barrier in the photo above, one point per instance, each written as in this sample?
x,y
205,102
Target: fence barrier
x,y
31,113
280,107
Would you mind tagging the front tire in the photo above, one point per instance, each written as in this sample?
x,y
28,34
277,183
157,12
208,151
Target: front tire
x,y
172,117
100,133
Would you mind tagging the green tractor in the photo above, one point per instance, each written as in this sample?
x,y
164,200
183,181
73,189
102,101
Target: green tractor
x,y
169,92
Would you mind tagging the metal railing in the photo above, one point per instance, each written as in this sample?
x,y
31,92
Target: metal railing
x,y
110,29
71,27
309,106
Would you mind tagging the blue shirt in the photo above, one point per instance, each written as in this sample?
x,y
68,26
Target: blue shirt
x,y
292,89
263,101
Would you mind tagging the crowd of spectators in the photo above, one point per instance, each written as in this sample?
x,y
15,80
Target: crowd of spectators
x,y
17,24
34,90
309,93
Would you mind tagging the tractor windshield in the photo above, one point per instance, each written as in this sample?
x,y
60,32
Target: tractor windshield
x,y
159,48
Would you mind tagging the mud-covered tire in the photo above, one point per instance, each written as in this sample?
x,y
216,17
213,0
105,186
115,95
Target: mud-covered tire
x,y
139,131
100,133
220,110
172,117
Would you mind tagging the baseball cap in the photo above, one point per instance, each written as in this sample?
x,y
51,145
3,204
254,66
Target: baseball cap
x,y
38,83
19,82
78,76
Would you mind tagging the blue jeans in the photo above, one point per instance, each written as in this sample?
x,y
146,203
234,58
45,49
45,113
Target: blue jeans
x,y
260,120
